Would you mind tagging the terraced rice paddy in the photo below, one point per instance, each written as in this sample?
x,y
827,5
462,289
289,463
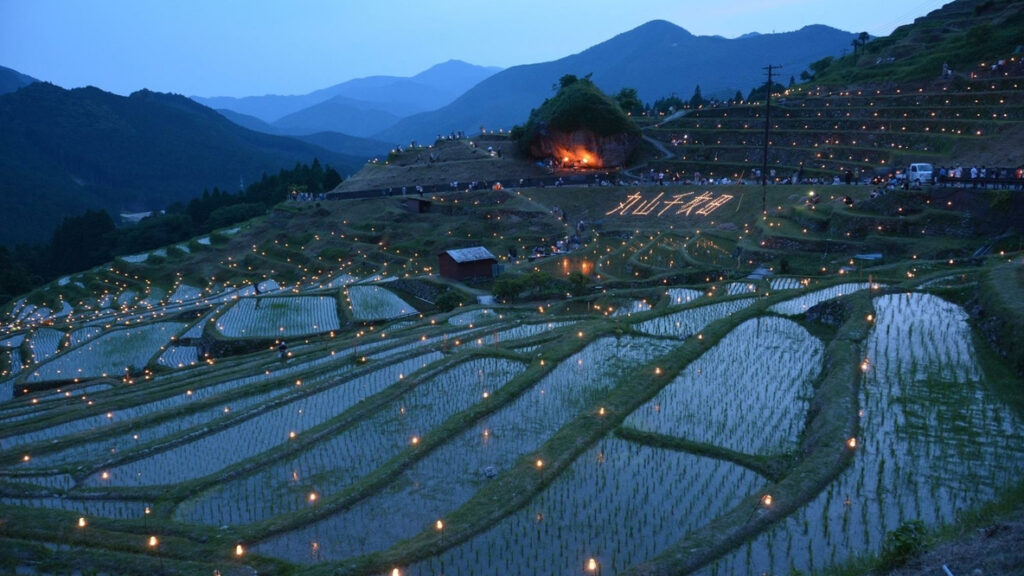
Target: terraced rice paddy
x,y
501,440
934,441
279,317
377,303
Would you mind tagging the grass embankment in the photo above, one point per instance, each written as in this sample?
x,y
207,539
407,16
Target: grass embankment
x,y
773,468
1001,295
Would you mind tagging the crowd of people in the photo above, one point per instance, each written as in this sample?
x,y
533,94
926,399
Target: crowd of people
x,y
976,173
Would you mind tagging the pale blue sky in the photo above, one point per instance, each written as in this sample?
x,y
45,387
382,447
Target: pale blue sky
x,y
254,47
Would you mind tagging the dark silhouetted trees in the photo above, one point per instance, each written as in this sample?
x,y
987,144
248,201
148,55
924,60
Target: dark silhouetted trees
x,y
629,101
81,242
697,100
86,240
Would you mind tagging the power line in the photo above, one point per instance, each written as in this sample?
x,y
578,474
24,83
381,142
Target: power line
x,y
767,127
921,9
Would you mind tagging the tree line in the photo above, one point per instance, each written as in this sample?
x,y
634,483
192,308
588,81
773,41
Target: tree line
x,y
86,240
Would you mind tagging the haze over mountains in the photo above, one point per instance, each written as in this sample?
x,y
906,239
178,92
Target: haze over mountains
x,y
659,59
359,107
65,151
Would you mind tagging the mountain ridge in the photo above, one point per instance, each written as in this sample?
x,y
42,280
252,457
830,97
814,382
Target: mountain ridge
x,y
65,151
11,80
657,58
431,88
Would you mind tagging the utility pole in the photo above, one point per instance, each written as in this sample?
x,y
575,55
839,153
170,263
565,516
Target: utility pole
x,y
767,127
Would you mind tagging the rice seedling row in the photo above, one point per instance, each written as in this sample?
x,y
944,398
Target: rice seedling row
x,y
13,362
103,508
734,288
756,406
934,441
112,353
424,342
114,445
179,357
779,284
126,297
479,337
45,343
278,317
473,317
688,322
447,477
184,293
329,466
619,503
12,341
682,296
83,335
369,303
322,374
73,390
252,436
804,302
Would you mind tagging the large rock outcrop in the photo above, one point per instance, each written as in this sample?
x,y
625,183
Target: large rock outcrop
x,y
580,127
585,148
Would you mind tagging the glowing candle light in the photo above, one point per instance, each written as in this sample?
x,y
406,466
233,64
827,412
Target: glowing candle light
x,y
82,522
239,550
766,500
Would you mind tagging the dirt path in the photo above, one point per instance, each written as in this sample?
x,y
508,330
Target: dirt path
x,y
995,550
666,153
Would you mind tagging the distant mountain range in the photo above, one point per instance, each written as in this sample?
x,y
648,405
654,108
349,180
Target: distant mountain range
x,y
11,80
360,107
658,59
65,151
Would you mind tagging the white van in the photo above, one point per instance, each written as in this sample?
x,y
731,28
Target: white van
x,y
920,173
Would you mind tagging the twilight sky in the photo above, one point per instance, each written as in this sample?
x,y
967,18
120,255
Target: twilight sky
x,y
255,47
